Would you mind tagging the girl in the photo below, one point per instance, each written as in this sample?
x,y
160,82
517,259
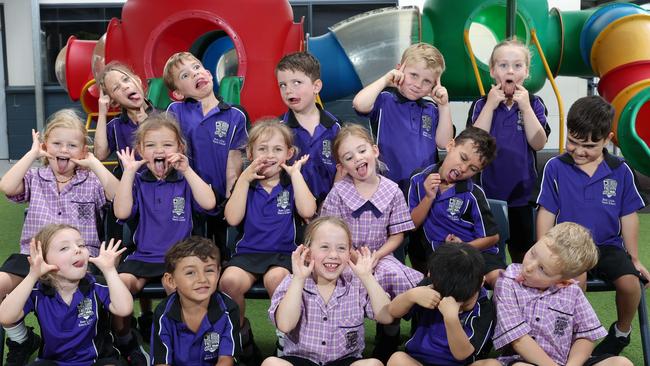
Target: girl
x,y
375,209
71,187
265,200
59,290
162,197
518,122
333,301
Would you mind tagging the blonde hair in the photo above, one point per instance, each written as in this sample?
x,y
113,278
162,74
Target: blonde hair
x,y
427,53
172,62
122,69
574,248
65,118
265,127
310,230
511,43
45,236
157,121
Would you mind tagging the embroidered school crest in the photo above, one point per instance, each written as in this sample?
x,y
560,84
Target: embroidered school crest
x,y
85,309
351,339
283,203
561,323
221,129
427,124
454,206
211,342
178,209
327,149
609,188
520,121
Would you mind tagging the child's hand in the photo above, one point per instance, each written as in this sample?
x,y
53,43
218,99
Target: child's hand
x,y
432,184
449,307
451,238
521,97
179,162
142,114
644,271
340,173
295,168
103,102
108,255
301,263
425,296
496,96
395,77
439,94
37,147
363,265
127,157
37,265
251,172
87,162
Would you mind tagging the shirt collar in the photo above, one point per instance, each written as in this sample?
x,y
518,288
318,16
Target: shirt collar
x,y
513,270
84,286
214,310
612,161
325,119
399,98
124,115
173,176
221,104
47,174
342,284
459,187
378,203
285,180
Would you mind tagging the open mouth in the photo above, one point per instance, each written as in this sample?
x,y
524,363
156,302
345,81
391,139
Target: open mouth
x,y
509,88
362,169
134,97
62,164
331,267
160,166
79,264
294,100
453,175
201,83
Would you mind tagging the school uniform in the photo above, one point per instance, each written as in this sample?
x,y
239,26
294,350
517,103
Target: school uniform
x,y
320,169
430,345
371,222
173,343
554,317
461,210
77,334
405,131
597,203
120,132
269,228
164,211
327,332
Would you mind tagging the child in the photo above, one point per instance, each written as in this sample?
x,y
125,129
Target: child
x,y
332,301
71,187
450,207
196,325
542,314
314,129
374,208
162,197
267,199
68,303
409,129
518,122
591,187
455,316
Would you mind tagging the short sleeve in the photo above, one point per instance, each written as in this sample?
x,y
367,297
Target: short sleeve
x,y
475,110
110,135
414,191
29,303
482,325
103,294
632,200
511,325
229,344
376,106
484,224
240,134
540,112
400,217
548,194
27,184
586,323
332,204
161,337
278,295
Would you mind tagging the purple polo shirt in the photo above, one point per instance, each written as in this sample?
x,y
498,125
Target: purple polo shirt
x,y
72,334
405,131
554,317
78,204
120,131
327,331
269,225
512,175
320,169
173,343
597,202
461,210
163,209
370,221
211,137
430,345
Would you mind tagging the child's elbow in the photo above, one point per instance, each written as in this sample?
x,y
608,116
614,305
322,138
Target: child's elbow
x,y
462,355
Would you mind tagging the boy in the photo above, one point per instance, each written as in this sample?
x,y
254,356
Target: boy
x,y
314,128
196,325
408,128
450,207
215,131
589,186
542,314
455,316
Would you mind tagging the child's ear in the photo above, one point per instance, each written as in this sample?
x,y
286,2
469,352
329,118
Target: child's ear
x,y
177,95
609,137
375,150
318,85
450,145
249,155
292,150
168,281
564,283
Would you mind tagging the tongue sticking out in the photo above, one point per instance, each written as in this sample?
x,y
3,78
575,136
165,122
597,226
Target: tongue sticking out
x,y
362,170
453,175
509,89
159,167
62,164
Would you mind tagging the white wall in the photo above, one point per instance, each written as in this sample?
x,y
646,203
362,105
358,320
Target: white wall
x,y
18,35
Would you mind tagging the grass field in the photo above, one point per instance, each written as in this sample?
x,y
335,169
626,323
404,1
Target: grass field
x,y
11,219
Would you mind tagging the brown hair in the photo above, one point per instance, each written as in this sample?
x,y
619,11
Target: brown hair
x,y
156,121
427,53
511,43
65,118
194,246
574,248
266,126
123,69
304,62
172,62
45,236
310,230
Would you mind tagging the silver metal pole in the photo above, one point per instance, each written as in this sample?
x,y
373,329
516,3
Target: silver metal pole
x,y
38,67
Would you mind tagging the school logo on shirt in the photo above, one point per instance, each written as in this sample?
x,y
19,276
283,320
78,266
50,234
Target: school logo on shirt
x,y
561,323
427,124
520,121
327,149
211,342
283,203
351,339
178,209
84,311
85,210
454,207
220,131
609,191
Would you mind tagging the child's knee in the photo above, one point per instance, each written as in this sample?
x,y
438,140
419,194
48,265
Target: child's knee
x,y
233,284
274,361
615,361
8,283
398,358
628,285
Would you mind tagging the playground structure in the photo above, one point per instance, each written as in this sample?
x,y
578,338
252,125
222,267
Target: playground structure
x,y
241,45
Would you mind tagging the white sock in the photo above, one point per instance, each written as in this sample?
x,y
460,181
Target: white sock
x,y
619,333
17,333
